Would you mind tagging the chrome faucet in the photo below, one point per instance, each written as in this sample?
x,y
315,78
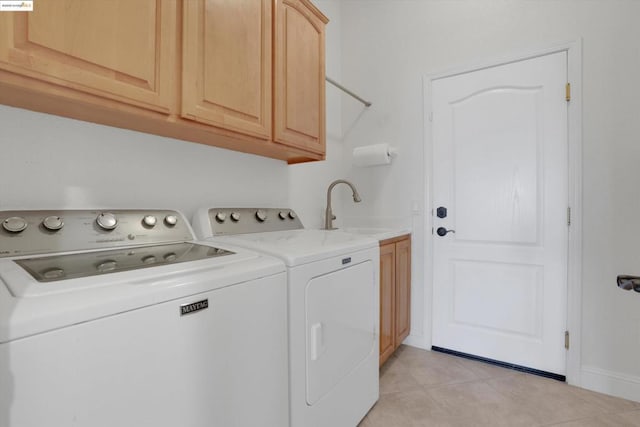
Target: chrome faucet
x,y
329,216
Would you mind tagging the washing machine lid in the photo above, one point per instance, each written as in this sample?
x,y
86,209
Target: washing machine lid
x,y
54,268
297,247
29,307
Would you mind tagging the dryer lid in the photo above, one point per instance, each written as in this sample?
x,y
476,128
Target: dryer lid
x,y
297,247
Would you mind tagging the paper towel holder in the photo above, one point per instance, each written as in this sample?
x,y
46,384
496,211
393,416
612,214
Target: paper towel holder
x,y
374,155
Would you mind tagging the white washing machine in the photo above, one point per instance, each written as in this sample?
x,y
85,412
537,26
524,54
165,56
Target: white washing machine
x,y
120,318
333,285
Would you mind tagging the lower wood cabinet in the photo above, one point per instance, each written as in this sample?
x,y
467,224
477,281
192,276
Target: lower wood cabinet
x,y
395,294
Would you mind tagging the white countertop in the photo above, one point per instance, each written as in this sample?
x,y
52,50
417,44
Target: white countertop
x,y
377,233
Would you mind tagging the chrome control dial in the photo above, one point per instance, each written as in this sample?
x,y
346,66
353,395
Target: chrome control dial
x,y
53,273
15,224
53,223
282,215
171,256
149,259
221,216
107,221
235,216
292,215
106,266
170,220
261,215
149,221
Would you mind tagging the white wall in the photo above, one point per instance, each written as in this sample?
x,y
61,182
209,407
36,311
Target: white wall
x,y
308,182
388,46
54,162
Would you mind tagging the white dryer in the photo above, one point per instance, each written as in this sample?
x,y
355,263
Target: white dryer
x,y
333,286
120,318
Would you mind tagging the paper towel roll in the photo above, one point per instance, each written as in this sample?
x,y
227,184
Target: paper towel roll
x,y
373,155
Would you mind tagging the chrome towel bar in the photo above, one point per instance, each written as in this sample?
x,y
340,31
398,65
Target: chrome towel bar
x,y
347,91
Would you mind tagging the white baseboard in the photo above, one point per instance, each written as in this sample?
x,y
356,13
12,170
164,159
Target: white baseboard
x,y
417,341
608,382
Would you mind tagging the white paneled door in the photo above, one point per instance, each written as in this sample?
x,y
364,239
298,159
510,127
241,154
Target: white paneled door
x,y
500,169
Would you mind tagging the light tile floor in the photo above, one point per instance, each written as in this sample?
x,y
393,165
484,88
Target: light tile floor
x,y
424,388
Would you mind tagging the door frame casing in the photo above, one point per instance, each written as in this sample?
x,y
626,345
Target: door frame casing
x,y
574,202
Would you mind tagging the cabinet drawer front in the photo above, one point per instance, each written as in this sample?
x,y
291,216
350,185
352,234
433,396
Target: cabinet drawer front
x,y
116,49
227,64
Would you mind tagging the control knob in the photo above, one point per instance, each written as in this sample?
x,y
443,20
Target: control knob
x,y
15,224
53,223
170,220
149,221
106,266
221,216
149,259
261,215
107,221
235,216
292,215
282,215
53,273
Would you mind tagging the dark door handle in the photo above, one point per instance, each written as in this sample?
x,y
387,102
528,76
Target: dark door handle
x,y
443,231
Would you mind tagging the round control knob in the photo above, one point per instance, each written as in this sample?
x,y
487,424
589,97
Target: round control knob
x,y
149,259
107,266
149,221
221,216
292,215
170,220
107,221
235,216
261,215
171,256
282,215
53,273
15,224
53,223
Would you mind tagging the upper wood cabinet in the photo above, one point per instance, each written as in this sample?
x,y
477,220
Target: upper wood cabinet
x,y
299,76
230,79
116,49
226,78
247,75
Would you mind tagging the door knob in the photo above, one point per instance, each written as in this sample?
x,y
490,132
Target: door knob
x,y
443,231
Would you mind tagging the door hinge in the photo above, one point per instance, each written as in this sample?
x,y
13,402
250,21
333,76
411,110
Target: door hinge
x,y
568,216
566,340
568,92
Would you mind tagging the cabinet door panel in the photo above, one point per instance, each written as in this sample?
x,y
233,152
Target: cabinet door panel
x,y
403,290
227,64
299,119
387,301
118,49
